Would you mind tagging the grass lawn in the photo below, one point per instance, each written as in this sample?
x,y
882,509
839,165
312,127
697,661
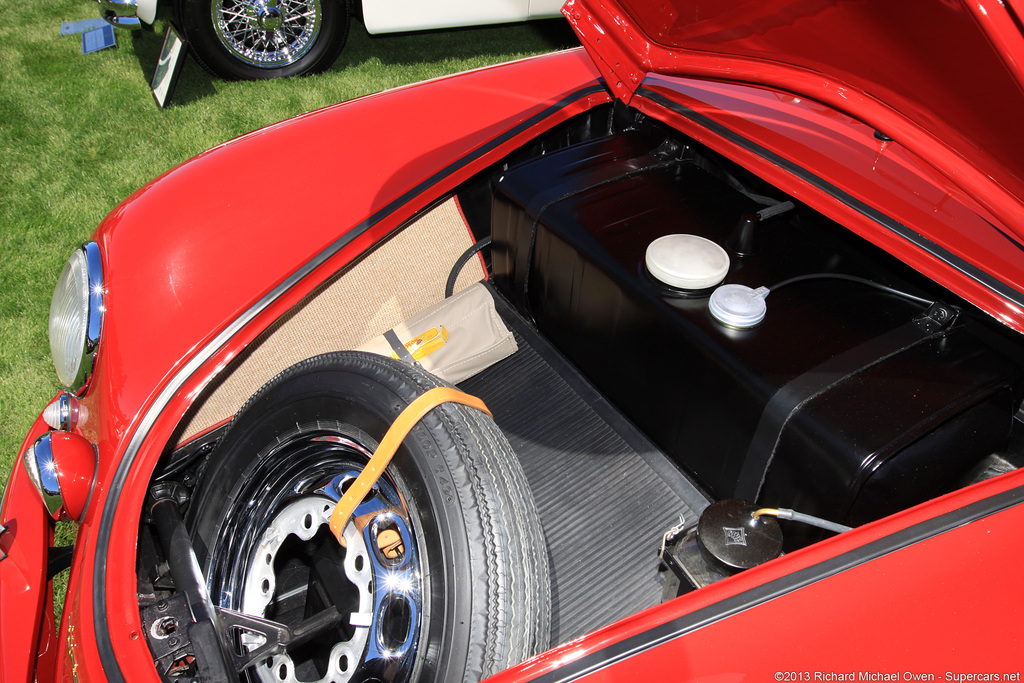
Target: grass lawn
x,y
78,133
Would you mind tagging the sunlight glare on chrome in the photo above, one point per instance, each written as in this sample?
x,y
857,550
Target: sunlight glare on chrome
x,y
397,582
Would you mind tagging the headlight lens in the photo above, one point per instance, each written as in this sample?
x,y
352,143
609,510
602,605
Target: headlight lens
x,y
76,313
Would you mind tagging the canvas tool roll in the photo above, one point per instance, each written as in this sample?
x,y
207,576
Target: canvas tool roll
x,y
454,339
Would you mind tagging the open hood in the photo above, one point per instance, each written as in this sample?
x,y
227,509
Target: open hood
x,y
943,77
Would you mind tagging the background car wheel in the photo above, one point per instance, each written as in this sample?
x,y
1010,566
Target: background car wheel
x,y
444,576
254,39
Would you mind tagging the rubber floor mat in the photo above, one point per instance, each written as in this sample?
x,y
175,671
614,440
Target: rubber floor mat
x,y
606,495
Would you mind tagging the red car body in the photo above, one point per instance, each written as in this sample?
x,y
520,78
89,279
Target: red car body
x,y
200,261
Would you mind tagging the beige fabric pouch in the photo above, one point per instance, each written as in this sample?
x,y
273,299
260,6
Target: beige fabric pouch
x,y
454,339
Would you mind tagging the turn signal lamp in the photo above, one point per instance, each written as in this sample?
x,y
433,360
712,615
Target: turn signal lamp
x,y
62,466
65,413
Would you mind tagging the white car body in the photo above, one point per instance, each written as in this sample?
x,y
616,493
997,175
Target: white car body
x,y
256,39
390,16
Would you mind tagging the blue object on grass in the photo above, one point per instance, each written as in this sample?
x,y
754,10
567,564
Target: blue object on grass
x,y
98,39
68,28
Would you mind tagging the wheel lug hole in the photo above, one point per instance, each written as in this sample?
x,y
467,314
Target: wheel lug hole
x,y
390,544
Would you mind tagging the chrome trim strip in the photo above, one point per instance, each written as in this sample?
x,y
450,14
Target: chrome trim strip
x,y
93,317
3,506
104,643
42,472
94,320
64,411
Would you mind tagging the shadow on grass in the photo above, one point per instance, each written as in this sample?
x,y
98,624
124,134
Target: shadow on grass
x,y
423,47
394,50
194,83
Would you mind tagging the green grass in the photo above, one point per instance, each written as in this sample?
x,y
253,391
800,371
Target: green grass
x,y
78,133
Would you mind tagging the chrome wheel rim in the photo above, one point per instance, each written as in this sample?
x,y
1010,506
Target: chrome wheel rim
x,y
277,560
267,33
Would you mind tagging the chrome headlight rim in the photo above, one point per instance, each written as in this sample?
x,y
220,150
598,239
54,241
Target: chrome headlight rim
x,y
74,355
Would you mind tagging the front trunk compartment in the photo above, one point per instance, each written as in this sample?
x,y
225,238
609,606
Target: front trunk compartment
x,y
825,406
865,390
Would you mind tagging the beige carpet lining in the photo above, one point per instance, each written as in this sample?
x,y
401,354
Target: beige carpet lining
x,y
399,278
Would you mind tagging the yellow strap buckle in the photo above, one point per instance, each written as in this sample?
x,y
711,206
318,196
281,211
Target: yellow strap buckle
x,y
399,429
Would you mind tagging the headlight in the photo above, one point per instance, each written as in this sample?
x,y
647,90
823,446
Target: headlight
x,y
76,312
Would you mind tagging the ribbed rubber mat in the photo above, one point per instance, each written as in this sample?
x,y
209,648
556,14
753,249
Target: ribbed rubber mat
x,y
605,493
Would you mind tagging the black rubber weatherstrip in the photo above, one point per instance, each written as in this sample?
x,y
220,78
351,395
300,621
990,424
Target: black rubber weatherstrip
x,y
104,644
887,222
681,626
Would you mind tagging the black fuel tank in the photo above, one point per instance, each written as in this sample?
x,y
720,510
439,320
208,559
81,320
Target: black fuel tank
x,y
844,402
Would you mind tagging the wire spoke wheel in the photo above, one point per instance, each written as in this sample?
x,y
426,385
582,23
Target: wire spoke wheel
x,y
267,33
256,39
441,577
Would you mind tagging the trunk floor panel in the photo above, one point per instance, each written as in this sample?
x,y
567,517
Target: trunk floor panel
x,y
605,493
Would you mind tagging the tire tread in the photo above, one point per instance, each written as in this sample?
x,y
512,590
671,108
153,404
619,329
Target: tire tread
x,y
507,566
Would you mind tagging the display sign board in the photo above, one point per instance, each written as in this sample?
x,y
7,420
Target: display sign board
x,y
172,58
97,39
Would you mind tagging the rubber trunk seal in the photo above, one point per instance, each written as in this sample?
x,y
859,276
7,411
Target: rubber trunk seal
x,y
892,225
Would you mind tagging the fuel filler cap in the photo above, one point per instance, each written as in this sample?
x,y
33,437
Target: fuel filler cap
x,y
687,261
732,539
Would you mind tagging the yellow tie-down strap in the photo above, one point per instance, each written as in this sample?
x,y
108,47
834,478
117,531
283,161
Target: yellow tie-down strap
x,y
399,429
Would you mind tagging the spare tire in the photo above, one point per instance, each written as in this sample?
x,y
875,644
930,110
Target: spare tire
x,y
444,576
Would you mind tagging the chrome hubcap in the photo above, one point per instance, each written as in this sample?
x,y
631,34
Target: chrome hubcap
x,y
267,33
290,567
303,519
268,17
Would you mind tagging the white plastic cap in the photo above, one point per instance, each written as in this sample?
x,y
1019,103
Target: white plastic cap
x,y
738,305
687,261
